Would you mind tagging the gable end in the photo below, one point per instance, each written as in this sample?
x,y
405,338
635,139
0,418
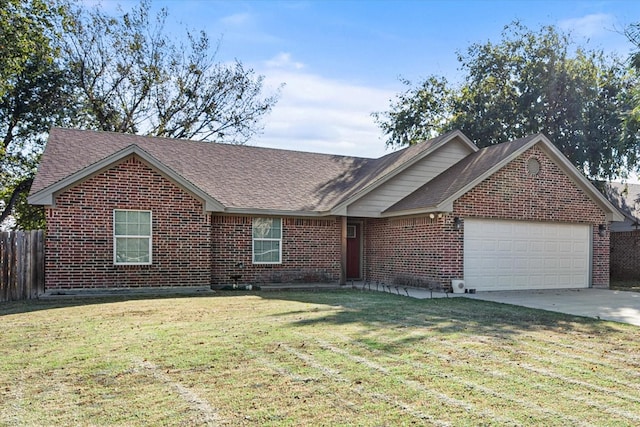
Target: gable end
x,y
46,196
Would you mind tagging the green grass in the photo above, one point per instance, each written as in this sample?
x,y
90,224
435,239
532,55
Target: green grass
x,y
324,358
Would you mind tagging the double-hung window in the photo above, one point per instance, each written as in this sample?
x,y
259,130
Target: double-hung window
x,y
267,240
131,237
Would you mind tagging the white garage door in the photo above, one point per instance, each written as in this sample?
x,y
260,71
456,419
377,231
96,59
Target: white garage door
x,y
511,255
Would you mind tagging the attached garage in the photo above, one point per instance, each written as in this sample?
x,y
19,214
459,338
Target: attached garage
x,y
513,255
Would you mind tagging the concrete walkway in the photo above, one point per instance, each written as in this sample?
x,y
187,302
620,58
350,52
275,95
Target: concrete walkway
x,y
619,306
605,304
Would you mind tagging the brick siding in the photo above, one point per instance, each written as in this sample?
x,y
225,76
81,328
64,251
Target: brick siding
x,y
79,241
625,255
431,250
415,251
310,251
191,247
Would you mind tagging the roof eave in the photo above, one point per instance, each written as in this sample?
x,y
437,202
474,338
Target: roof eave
x,y
342,207
441,208
611,213
46,196
276,212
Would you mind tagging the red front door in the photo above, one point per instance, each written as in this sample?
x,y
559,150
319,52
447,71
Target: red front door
x,y
354,240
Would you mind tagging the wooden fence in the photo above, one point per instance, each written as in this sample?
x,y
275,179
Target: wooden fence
x,y
21,265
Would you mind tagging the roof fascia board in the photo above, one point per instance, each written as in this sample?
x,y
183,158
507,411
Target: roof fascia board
x,y
404,166
46,196
441,208
276,212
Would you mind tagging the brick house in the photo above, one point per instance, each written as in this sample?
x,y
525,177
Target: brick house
x,y
127,211
625,235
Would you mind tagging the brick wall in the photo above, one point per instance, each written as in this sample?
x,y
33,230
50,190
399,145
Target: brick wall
x,y
310,251
412,251
625,255
432,250
80,232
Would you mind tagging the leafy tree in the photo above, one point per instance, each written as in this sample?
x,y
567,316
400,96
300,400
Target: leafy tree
x,y
131,77
32,99
631,117
66,65
530,82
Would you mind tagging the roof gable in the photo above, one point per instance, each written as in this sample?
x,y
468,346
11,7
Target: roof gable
x,y
384,169
231,178
246,179
235,177
442,191
45,196
460,178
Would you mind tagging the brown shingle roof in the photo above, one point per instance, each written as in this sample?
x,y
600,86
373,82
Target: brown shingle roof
x,y
236,176
625,197
459,176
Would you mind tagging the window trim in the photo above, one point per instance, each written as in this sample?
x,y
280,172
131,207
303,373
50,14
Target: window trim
x,y
268,239
117,236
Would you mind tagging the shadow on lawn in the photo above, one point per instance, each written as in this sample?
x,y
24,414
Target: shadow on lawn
x,y
376,311
28,306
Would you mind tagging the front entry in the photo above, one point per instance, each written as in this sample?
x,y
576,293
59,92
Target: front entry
x,y
354,251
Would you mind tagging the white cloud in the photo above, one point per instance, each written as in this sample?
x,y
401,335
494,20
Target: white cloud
x,y
318,114
283,60
237,19
589,26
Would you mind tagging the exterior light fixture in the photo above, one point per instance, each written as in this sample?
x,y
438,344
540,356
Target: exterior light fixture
x,y
457,223
432,216
602,230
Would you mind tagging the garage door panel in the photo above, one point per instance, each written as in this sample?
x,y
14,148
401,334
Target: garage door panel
x,y
505,246
536,246
521,247
566,247
500,255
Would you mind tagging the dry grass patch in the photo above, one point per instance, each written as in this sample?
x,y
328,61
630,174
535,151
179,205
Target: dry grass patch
x,y
326,358
625,285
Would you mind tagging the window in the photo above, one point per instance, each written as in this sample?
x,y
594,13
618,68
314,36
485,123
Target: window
x,y
131,237
267,240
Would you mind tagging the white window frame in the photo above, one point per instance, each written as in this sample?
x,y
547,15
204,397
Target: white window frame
x,y
265,239
131,236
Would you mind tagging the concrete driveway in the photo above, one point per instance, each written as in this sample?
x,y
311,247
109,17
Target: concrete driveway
x,y
619,306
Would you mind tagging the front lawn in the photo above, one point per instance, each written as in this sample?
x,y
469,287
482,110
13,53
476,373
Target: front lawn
x,y
321,358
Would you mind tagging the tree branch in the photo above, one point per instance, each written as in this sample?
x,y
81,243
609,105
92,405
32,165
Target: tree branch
x,y
23,186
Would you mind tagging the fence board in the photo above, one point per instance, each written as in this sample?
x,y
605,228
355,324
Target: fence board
x,y
21,265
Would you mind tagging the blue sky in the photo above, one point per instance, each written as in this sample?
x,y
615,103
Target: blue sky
x,y
340,60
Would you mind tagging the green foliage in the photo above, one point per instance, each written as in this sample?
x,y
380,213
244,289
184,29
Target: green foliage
x,y
64,65
631,116
32,98
419,113
529,83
